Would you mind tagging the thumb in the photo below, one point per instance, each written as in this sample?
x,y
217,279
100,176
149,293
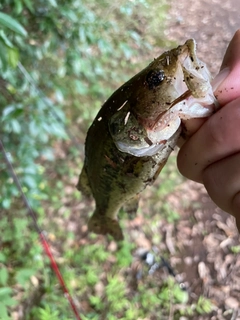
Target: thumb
x,y
227,83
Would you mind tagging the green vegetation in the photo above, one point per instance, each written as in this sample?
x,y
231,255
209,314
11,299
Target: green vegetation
x,y
235,249
59,60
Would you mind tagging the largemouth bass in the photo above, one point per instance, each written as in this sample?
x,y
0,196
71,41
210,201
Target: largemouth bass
x,y
137,128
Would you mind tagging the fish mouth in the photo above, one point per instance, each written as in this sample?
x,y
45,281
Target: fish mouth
x,y
182,97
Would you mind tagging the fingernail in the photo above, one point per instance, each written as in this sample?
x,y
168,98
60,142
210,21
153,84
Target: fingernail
x,y
223,74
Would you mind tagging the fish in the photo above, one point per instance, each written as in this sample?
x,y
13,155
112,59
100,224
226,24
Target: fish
x,y
137,128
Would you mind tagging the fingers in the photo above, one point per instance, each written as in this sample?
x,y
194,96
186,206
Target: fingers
x,y
218,138
222,181
228,79
232,53
230,87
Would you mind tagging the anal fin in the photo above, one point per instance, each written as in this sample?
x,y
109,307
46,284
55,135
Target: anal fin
x,y
104,225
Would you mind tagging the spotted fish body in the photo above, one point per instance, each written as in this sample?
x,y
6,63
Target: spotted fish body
x,y
136,129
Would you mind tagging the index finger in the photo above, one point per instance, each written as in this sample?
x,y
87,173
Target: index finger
x,y
229,88
218,138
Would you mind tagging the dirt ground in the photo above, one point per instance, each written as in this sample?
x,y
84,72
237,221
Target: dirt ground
x,y
211,23
205,235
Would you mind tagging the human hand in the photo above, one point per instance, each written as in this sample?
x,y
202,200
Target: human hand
x,y
212,154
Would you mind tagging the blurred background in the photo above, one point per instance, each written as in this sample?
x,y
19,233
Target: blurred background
x,y
59,62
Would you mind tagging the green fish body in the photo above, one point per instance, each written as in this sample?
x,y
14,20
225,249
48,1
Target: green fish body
x,y
137,128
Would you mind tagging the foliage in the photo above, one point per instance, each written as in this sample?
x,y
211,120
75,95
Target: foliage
x,y
5,301
235,249
204,305
48,314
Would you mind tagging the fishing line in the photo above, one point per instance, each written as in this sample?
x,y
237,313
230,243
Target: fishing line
x,y
43,240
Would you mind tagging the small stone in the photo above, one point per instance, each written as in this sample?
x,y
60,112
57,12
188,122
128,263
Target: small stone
x,y
112,247
188,260
231,302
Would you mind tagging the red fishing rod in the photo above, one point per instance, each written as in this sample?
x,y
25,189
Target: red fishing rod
x,y
43,240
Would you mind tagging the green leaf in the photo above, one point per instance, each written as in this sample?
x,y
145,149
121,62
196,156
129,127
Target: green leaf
x,y
29,5
235,249
48,314
12,24
5,39
5,297
23,275
16,127
8,109
5,292
2,257
3,312
3,275
53,3
30,181
204,305
96,301
18,7
13,57
92,277
3,57
6,203
180,295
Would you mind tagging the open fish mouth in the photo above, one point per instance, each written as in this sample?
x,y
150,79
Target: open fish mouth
x,y
164,126
182,97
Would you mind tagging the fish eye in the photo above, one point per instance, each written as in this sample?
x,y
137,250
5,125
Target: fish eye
x,y
154,78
